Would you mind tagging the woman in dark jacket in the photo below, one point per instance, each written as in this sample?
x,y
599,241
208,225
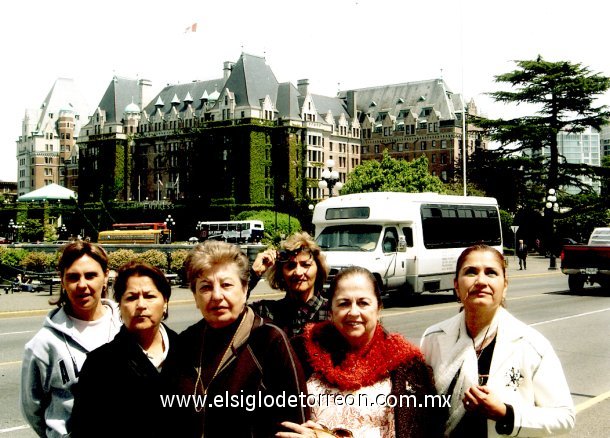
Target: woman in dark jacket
x,y
239,370
127,375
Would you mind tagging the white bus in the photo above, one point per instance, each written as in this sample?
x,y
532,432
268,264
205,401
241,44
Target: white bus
x,y
409,241
248,231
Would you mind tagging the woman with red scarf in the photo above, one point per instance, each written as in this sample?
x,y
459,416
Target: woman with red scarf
x,y
363,381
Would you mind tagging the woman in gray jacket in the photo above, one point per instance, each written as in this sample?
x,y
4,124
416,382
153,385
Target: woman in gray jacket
x,y
83,321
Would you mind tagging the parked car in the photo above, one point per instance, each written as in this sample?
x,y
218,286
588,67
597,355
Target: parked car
x,y
4,240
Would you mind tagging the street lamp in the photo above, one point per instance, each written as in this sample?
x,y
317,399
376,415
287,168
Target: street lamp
x,y
311,207
63,232
330,178
551,207
12,228
169,223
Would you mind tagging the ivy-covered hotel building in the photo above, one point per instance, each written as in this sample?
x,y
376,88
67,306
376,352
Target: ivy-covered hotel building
x,y
246,139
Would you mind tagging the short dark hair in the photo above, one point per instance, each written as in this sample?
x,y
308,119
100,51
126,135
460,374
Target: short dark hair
x,y
355,270
141,269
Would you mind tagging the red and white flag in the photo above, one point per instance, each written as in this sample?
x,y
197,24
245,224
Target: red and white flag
x,y
191,28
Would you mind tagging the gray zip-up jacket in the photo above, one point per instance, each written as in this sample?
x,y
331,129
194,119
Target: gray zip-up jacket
x,y
51,363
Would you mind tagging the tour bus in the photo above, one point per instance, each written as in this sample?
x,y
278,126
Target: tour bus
x,y
409,241
140,226
248,231
137,232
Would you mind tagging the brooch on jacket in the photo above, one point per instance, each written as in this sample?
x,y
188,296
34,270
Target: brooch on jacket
x,y
514,378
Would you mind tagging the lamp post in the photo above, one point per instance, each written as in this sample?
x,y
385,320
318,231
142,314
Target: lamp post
x,y
63,232
330,178
169,223
12,228
311,207
551,206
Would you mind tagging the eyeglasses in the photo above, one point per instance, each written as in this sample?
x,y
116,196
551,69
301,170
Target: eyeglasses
x,y
285,255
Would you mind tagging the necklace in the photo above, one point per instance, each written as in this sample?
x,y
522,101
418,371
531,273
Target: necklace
x,y
199,381
481,347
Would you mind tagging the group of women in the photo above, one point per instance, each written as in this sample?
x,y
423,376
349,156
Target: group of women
x,y
315,363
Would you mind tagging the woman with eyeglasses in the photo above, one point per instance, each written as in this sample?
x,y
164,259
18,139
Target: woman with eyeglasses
x,y
503,376
233,359
362,380
300,269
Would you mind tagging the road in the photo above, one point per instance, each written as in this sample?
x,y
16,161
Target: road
x,y
576,325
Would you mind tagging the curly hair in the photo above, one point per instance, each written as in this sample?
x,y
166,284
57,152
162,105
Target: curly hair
x,y
296,241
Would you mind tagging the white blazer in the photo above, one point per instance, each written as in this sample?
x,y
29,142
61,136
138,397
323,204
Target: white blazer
x,y
525,372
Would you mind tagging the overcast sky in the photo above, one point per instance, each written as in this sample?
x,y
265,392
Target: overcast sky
x,y
336,44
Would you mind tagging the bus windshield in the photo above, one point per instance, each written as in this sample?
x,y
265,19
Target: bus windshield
x,y
350,237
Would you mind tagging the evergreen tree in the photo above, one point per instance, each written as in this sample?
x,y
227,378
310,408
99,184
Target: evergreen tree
x,y
564,95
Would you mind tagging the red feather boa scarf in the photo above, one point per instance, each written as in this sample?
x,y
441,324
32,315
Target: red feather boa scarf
x,y
356,369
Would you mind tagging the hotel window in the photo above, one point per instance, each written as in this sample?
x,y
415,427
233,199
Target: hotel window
x,y
422,146
443,144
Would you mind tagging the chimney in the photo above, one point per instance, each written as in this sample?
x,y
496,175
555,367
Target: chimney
x,y
226,69
145,89
350,101
303,85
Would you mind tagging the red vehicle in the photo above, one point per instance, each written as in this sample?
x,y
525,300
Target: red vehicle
x,y
140,226
588,263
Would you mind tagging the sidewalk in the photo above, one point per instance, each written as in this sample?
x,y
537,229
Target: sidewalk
x,y
37,303
32,303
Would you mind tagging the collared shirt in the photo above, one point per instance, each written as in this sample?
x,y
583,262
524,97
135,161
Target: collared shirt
x,y
291,315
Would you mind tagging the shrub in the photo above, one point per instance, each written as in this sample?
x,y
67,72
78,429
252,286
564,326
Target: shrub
x,y
38,261
178,258
153,257
119,257
12,256
177,265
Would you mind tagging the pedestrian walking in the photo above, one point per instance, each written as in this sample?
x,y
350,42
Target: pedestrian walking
x,y
522,254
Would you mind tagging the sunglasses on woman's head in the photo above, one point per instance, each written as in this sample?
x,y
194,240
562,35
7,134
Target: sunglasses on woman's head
x,y
285,255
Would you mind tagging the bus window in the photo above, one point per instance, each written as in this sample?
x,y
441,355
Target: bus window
x,y
390,240
452,226
408,232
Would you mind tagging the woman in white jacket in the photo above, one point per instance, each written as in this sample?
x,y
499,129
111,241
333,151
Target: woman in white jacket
x,y
503,376
83,321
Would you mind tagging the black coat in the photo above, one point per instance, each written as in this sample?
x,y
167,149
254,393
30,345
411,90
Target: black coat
x,y
118,392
